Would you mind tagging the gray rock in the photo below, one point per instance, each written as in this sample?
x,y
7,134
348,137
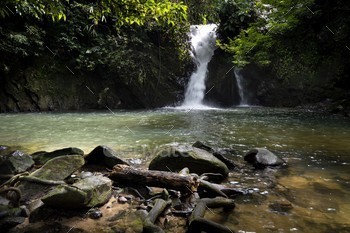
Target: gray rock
x,y
86,193
15,162
202,146
42,157
65,197
175,158
104,155
98,189
95,214
219,154
261,157
59,168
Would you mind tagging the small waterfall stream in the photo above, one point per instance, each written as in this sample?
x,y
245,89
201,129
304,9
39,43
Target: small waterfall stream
x,y
241,88
203,39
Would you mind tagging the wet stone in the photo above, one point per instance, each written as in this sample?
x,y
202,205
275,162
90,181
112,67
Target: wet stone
x,y
281,206
95,214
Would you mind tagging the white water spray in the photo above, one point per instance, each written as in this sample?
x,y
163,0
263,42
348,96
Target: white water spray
x,y
203,39
241,88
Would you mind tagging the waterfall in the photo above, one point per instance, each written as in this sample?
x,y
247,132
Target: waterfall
x,y
203,39
241,88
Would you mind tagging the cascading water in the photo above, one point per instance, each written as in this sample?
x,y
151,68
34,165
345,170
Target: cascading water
x,y
241,88
203,39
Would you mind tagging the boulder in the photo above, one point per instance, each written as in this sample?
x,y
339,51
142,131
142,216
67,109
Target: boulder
x,y
56,169
261,157
41,157
175,158
86,193
98,189
65,197
15,162
222,154
59,168
105,156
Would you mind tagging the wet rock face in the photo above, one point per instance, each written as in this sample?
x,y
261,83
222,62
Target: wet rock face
x,y
15,162
105,156
175,158
261,157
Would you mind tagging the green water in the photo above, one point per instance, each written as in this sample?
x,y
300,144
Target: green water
x,y
316,146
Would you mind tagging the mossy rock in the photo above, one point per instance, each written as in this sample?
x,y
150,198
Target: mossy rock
x,y
97,188
175,158
66,197
41,157
59,168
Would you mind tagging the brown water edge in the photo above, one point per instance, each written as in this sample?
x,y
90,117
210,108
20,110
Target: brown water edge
x,y
320,200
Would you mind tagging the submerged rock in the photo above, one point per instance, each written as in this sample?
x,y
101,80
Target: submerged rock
x,y
104,155
15,162
261,157
281,206
42,157
175,158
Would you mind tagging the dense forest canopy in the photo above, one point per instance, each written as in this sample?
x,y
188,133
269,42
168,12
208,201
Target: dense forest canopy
x,y
304,44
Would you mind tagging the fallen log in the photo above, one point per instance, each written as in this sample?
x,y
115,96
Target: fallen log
x,y
127,175
197,222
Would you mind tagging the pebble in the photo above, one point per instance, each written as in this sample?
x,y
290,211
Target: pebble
x,y
122,200
95,214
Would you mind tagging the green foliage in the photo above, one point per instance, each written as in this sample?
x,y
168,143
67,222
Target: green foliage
x,y
139,12
203,11
235,15
292,37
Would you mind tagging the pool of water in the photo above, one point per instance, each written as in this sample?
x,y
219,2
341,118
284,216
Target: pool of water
x,y
316,146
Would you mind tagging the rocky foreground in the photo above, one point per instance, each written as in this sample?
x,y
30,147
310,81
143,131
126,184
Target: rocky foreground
x,y
66,190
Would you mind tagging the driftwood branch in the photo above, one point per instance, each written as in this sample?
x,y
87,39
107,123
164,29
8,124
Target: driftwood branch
x,y
128,175
158,208
197,221
211,188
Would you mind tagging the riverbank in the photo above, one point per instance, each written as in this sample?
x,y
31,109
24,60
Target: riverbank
x,y
287,198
